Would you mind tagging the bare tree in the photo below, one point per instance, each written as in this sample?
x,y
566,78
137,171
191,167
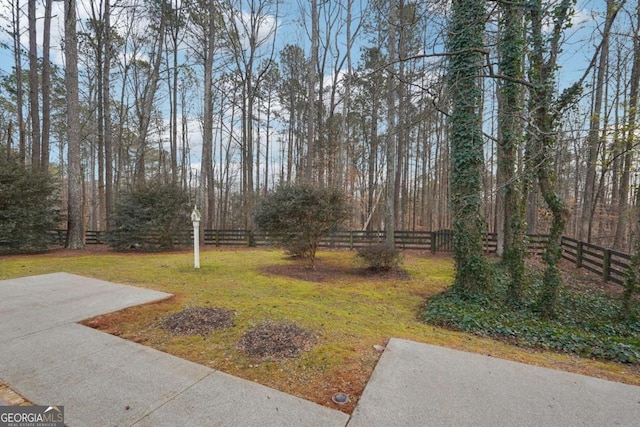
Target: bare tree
x,y
147,93
625,179
253,25
16,29
594,140
312,75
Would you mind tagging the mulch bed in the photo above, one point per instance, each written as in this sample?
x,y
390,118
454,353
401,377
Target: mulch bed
x,y
326,273
198,321
270,341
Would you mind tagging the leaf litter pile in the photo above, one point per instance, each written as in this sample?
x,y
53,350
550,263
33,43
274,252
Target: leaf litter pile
x,y
269,340
198,321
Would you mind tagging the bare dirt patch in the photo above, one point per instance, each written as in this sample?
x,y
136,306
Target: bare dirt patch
x,y
302,271
273,341
326,273
198,321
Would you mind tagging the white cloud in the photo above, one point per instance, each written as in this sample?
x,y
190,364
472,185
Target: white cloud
x,y
263,25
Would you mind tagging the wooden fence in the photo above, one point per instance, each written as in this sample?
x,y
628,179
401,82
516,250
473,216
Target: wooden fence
x,y
609,264
434,241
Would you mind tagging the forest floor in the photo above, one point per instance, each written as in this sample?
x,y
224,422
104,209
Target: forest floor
x,y
258,315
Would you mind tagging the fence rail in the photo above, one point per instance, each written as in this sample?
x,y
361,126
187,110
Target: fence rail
x,y
607,263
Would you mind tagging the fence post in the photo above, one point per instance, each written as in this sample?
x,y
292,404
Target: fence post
x,y
606,265
579,254
433,242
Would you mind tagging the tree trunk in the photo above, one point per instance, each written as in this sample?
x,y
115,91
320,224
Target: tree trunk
x,y
17,56
511,47
465,38
106,99
542,134
207,123
392,137
75,238
623,198
144,113
593,140
311,90
34,93
174,99
632,275
46,88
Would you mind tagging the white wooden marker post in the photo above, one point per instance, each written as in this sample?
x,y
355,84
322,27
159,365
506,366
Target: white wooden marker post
x,y
195,218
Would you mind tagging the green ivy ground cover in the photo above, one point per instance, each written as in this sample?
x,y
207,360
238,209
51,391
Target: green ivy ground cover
x,y
587,323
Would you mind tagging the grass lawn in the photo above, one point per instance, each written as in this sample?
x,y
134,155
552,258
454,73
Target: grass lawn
x,y
346,310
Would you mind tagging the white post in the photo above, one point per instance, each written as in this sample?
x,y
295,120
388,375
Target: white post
x,y
195,218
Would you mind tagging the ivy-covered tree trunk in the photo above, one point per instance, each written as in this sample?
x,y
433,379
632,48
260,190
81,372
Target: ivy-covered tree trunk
x,y
466,48
511,46
544,112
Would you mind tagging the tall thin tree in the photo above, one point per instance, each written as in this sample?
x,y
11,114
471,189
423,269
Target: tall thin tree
x,y
594,140
392,129
46,87
75,236
632,115
34,92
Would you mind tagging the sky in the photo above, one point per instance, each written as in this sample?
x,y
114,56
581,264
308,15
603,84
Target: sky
x,y
290,29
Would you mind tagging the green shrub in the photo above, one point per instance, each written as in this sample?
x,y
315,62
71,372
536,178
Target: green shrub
x,y
297,217
382,257
154,217
28,208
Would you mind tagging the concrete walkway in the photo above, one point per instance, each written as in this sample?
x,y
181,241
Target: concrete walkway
x,y
417,384
103,380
